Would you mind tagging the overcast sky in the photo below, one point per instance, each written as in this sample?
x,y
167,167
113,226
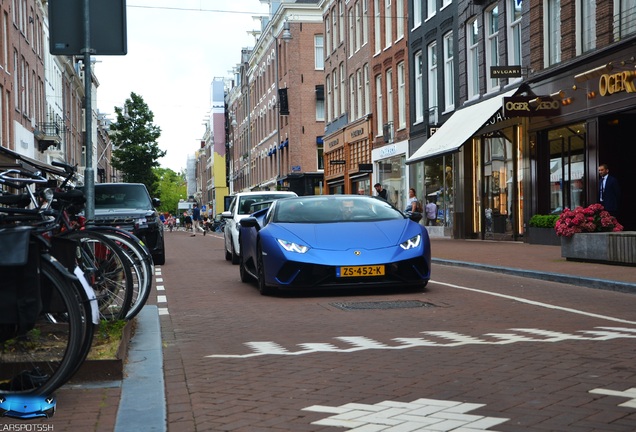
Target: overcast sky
x,y
175,49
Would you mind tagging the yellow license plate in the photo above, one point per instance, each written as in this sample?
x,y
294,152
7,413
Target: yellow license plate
x,y
360,271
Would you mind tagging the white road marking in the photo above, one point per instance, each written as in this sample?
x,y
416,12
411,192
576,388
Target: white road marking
x,y
163,311
159,280
629,393
162,299
161,288
438,339
540,304
422,414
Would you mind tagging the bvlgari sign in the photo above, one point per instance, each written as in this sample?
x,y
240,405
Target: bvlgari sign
x,y
523,106
505,71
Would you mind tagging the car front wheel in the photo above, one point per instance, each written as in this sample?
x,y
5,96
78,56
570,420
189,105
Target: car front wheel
x,y
262,286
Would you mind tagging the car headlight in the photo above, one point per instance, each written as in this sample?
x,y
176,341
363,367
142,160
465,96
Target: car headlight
x,y
411,243
293,247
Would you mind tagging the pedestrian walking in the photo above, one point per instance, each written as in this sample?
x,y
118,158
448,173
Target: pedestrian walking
x,y
196,220
609,190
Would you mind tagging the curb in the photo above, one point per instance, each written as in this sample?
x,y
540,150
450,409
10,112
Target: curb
x,y
143,403
603,284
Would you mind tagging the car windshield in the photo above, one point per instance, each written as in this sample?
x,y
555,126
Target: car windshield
x,y
109,196
248,204
334,208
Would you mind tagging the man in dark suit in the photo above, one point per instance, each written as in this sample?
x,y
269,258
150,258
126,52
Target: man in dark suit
x,y
381,191
609,190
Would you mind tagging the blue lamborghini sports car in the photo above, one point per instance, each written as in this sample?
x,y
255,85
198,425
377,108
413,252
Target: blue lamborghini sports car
x,y
334,241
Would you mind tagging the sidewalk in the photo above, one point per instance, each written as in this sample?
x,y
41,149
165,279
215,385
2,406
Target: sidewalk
x,y
534,261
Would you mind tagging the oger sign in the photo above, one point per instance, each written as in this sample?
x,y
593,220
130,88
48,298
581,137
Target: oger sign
x,y
523,106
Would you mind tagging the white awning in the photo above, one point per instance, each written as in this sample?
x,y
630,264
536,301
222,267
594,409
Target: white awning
x,y
458,129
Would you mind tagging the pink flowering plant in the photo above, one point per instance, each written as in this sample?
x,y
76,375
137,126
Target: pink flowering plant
x,y
589,219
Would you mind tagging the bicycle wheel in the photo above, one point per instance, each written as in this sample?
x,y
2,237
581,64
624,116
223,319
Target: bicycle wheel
x,y
39,360
107,269
141,261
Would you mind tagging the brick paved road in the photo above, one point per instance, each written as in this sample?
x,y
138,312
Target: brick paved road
x,y
492,352
537,356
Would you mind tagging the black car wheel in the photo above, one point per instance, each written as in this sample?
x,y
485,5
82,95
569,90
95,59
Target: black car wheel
x,y
260,268
228,255
245,276
235,257
160,258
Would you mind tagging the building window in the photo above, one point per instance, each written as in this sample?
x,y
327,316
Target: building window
x,y
319,52
389,95
334,26
624,18
472,67
388,27
377,32
352,33
399,19
417,13
492,45
449,73
341,18
365,22
514,32
431,8
586,26
320,102
401,76
552,32
352,95
378,104
321,157
336,103
327,36
419,87
343,90
329,99
367,90
432,83
359,95
358,26
446,3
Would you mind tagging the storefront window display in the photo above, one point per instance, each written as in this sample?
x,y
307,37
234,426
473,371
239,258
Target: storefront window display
x,y
438,181
567,167
361,185
391,175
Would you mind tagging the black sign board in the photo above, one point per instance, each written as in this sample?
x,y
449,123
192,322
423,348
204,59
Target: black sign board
x,y
505,71
523,106
338,162
107,27
365,168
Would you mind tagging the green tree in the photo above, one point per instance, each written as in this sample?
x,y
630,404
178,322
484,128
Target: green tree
x,y
135,138
170,188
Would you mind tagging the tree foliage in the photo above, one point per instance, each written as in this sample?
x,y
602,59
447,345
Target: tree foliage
x,y
170,188
135,138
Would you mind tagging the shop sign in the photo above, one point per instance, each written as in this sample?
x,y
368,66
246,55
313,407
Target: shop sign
x,y
365,168
387,151
522,106
613,83
505,72
338,162
295,168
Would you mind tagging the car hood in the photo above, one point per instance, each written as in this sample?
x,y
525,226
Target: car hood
x,y
345,235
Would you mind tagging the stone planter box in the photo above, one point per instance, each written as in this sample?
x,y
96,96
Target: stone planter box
x,y
543,236
609,248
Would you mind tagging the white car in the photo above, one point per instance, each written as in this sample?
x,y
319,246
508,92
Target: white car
x,y
243,204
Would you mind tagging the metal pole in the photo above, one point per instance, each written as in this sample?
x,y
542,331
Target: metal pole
x,y
89,176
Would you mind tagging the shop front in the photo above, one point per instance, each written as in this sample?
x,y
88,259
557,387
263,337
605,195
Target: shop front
x,y
595,126
359,166
473,171
335,163
391,172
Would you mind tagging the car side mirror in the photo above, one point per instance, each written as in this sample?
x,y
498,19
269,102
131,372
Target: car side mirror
x,y
250,222
156,202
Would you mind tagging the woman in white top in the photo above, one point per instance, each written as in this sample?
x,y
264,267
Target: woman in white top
x,y
411,202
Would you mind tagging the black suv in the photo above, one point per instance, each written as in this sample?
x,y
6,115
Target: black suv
x,y
129,206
